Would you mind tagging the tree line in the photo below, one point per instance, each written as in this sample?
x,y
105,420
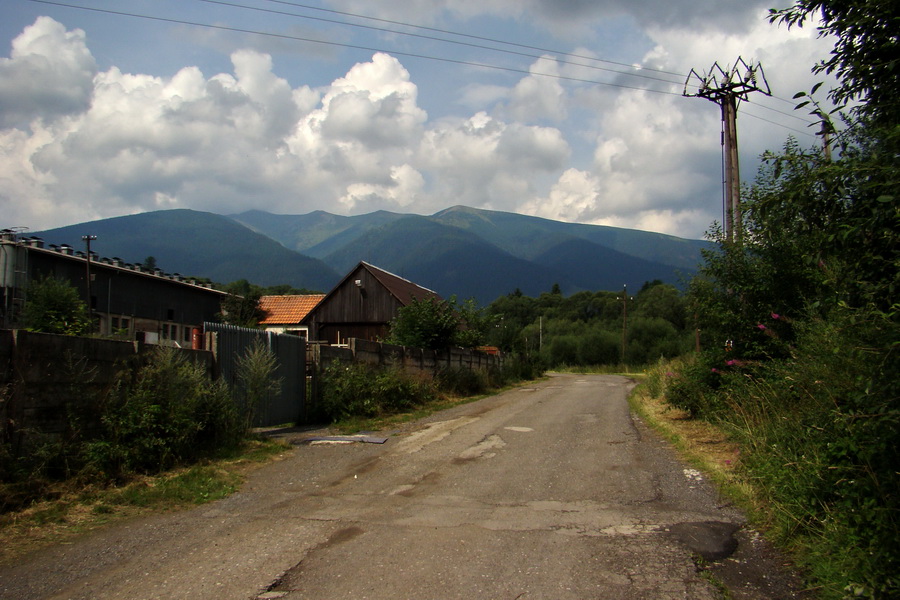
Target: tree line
x,y
593,328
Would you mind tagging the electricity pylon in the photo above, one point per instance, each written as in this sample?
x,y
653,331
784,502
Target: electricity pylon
x,y
727,87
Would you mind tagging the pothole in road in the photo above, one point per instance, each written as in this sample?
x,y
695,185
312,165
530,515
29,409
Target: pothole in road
x,y
712,540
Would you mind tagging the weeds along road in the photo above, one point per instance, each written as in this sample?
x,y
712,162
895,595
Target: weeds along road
x,y
546,491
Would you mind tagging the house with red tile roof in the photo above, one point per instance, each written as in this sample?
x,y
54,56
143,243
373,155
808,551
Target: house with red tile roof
x,y
284,314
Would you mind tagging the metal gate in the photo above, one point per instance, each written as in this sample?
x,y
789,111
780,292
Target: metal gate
x,y
231,343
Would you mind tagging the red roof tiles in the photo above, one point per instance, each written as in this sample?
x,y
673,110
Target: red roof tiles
x,y
287,310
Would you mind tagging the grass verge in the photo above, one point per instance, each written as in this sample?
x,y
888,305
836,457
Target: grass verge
x,y
700,443
76,510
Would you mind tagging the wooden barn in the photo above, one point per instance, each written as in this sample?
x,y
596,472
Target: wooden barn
x,y
362,305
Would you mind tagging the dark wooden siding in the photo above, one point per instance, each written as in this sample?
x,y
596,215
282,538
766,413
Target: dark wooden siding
x,y
123,292
362,311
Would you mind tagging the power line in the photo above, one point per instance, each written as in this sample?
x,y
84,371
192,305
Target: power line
x,y
726,87
476,37
484,65
499,41
681,76
444,40
352,46
758,118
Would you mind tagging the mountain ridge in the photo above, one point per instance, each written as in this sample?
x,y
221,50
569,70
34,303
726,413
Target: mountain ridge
x,y
196,243
461,251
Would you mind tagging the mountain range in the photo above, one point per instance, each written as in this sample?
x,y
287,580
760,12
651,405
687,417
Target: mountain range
x,y
462,251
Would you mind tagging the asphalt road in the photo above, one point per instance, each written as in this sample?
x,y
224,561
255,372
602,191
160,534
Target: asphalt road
x,y
548,491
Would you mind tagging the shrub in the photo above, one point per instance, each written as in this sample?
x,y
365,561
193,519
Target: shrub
x,y
360,390
652,338
561,350
169,413
461,381
819,439
256,381
694,386
430,323
600,348
659,377
517,367
54,307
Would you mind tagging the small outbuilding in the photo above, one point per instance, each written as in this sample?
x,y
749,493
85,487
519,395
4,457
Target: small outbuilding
x,y
362,305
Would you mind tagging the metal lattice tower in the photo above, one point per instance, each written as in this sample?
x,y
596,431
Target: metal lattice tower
x,y
727,87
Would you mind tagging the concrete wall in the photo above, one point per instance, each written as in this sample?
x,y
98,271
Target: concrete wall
x,y
48,382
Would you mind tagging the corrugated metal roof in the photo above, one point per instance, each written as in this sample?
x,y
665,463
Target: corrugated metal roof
x,y
402,289
287,310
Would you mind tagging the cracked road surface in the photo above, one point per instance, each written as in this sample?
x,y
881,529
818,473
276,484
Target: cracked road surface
x,y
547,491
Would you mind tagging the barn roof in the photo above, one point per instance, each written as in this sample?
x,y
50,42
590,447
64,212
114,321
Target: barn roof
x,y
402,289
285,310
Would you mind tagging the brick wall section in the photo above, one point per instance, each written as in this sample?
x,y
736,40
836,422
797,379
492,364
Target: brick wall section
x,y
44,376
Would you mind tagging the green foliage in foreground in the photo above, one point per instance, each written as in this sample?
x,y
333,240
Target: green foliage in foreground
x,y
170,414
357,390
196,485
436,324
818,436
166,414
803,325
54,307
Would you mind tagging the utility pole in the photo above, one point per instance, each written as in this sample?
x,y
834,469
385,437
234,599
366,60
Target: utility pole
x,y
624,319
826,141
87,240
727,87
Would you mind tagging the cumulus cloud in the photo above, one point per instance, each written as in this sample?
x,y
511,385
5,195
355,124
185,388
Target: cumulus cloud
x,y
78,144
374,105
651,168
247,139
49,73
656,160
482,161
539,96
221,143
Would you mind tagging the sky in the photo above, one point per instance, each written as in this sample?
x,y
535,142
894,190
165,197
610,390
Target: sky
x,y
571,110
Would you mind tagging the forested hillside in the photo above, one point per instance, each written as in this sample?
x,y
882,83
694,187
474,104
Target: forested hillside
x,y
198,244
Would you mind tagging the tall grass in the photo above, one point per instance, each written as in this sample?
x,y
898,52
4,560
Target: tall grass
x,y
819,439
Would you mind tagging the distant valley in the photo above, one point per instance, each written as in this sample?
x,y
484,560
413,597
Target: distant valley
x,y
467,252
